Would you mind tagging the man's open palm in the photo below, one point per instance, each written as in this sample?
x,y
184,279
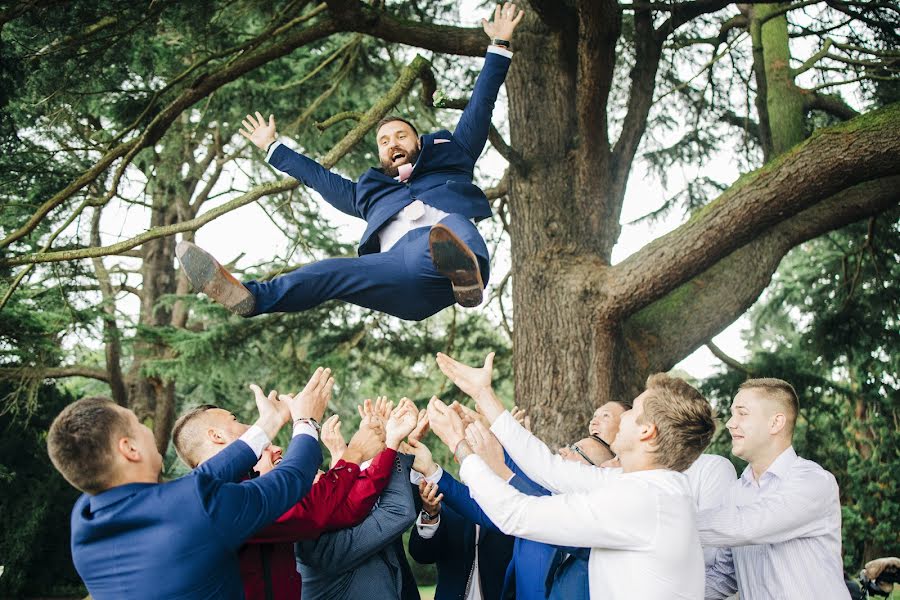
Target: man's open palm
x,y
471,380
505,21
259,132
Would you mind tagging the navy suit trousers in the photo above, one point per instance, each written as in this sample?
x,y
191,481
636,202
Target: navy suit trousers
x,y
401,282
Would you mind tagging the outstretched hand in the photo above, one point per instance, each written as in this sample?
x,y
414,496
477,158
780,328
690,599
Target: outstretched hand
x,y
486,445
333,438
446,423
505,21
311,402
474,382
259,132
273,412
401,423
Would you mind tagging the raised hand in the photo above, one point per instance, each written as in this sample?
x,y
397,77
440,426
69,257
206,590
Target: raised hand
x,y
311,402
367,441
401,423
486,445
431,500
259,132
468,415
422,426
446,423
474,382
522,417
380,410
505,21
333,438
273,413
423,462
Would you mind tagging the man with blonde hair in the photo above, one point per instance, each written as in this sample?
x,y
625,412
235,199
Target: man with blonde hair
x,y
779,527
639,523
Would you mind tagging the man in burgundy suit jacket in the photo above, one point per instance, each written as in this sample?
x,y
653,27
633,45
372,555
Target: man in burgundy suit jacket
x,y
340,498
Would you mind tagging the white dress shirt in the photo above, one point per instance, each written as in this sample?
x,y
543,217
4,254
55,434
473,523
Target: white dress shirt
x,y
710,477
639,526
780,536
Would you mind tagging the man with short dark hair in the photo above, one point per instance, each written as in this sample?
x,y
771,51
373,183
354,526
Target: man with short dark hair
x,y
133,537
639,523
421,251
779,527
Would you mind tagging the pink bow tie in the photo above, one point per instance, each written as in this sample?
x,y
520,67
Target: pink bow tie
x,y
404,171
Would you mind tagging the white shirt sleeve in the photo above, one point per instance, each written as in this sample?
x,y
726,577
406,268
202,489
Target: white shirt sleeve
x,y
256,438
415,477
540,464
305,428
426,531
272,150
500,50
798,507
621,515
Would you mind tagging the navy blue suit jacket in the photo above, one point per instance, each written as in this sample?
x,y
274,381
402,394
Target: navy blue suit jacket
x,y
452,549
180,539
527,574
442,176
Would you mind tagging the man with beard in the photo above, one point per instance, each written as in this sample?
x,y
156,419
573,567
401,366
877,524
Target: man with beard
x,y
421,251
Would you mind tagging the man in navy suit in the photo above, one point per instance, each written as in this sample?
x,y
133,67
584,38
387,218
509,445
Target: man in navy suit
x,y
133,537
421,251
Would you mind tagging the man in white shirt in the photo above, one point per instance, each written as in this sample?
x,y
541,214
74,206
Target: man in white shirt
x,y
780,525
639,523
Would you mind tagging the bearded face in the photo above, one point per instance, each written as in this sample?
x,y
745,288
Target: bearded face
x,y
397,145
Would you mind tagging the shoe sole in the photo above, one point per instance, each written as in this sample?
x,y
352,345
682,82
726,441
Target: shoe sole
x,y
455,261
208,276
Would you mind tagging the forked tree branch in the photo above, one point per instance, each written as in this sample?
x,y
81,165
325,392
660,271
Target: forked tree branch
x,y
830,161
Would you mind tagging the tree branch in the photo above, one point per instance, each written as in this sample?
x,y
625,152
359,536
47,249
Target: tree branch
x,y
405,81
200,88
54,372
693,313
729,361
506,151
830,161
353,15
833,105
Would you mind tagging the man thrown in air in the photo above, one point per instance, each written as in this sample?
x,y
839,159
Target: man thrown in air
x,y
421,251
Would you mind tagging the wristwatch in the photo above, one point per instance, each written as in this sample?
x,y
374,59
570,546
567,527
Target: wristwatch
x,y
428,517
309,420
499,42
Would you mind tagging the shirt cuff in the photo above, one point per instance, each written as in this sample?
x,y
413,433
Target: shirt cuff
x,y
256,438
426,531
272,150
497,50
415,477
304,428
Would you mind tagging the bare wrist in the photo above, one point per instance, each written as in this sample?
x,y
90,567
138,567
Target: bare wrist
x,y
270,424
393,444
351,455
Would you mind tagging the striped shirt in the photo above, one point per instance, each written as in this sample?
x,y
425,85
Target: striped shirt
x,y
779,537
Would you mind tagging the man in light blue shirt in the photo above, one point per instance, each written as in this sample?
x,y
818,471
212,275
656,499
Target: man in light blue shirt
x,y
779,528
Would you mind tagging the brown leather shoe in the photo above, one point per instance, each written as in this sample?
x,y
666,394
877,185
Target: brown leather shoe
x,y
453,259
208,276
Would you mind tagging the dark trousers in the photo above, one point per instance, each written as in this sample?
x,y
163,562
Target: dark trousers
x,y
401,282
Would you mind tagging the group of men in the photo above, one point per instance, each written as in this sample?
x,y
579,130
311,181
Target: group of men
x,y
634,509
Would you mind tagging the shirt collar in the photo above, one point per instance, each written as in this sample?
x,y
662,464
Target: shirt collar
x,y
779,467
116,494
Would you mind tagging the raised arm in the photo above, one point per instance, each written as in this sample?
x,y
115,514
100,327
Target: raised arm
x,y
612,517
472,130
343,550
336,190
799,507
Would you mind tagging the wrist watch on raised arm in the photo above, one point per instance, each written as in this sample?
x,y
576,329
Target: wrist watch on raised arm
x,y
500,42
426,516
